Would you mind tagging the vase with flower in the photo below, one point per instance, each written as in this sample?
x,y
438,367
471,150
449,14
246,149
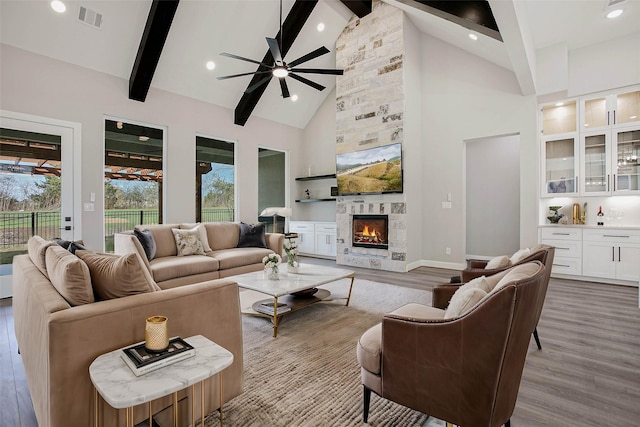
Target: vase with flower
x,y
271,263
291,248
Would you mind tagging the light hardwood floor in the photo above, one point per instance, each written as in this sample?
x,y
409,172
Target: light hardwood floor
x,y
587,373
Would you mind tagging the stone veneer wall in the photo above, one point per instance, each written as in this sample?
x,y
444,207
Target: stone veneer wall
x,y
370,104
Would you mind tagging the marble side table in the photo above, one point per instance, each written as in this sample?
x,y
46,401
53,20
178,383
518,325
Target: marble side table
x,y
120,388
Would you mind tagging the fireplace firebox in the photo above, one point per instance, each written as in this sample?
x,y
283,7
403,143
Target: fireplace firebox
x,y
370,231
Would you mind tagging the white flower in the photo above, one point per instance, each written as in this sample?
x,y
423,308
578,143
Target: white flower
x,y
271,260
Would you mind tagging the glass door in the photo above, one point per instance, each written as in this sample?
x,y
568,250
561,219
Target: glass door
x,y
272,187
627,151
560,171
595,174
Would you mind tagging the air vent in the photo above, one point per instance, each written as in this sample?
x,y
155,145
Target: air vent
x,y
90,17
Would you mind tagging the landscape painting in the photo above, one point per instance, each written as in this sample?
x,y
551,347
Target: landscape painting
x,y
371,171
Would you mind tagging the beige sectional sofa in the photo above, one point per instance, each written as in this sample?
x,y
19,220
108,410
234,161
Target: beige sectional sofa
x,y
63,319
225,258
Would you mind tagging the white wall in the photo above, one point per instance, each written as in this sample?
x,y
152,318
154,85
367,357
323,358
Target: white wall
x,y
465,97
41,86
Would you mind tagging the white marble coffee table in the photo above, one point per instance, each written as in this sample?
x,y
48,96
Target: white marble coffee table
x,y
308,277
120,388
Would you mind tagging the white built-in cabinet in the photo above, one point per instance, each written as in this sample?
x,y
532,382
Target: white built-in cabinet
x,y
609,253
315,237
590,146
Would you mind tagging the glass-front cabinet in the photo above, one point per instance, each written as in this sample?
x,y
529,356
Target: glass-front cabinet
x,y
625,156
604,110
595,173
560,165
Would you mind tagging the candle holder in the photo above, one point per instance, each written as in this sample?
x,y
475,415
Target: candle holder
x,y
156,336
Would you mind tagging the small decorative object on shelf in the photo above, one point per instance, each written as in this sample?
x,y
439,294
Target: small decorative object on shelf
x,y
271,263
291,248
600,216
307,194
554,216
156,337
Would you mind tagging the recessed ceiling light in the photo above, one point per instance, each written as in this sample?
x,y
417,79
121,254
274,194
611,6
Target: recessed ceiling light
x,y
320,27
58,6
559,104
614,13
294,97
143,138
473,36
211,65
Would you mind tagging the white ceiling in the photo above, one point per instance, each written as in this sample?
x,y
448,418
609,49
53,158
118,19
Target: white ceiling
x,y
201,30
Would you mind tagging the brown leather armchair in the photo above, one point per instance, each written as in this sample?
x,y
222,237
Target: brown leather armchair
x,y
465,370
544,253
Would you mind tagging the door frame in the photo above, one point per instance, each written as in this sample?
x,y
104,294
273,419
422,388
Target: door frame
x,y
71,140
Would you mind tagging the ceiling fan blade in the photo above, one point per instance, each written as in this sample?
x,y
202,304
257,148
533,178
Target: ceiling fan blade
x,y
317,71
258,84
231,55
309,56
275,49
307,81
243,74
283,86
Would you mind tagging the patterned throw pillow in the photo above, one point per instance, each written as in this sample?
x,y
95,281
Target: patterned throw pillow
x,y
188,241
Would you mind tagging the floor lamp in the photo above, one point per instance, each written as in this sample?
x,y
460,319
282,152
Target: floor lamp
x,y
276,212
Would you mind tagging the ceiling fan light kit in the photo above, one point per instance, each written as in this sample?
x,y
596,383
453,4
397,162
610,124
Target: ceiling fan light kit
x,y
280,69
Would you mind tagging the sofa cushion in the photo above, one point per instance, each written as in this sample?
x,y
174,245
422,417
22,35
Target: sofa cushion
x,y
520,255
252,236
519,272
145,237
167,268
188,241
69,275
498,262
369,350
463,300
415,311
37,249
115,276
238,257
222,235
163,236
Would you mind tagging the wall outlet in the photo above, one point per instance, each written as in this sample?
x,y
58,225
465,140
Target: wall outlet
x,y
89,207
447,251
446,205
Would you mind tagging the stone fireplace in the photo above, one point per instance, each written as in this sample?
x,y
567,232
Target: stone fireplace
x,y
370,231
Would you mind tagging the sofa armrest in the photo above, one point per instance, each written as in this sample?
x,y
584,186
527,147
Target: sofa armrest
x,y
275,242
442,294
80,334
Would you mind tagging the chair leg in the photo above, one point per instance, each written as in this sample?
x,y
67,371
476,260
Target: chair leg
x,y
508,423
535,335
367,401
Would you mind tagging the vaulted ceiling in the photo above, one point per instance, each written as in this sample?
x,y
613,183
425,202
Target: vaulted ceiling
x,y
201,30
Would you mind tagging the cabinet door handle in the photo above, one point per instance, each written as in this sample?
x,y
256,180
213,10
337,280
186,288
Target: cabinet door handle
x,y
614,117
618,253
608,122
614,182
576,181
561,265
613,235
564,249
608,176
561,234
613,253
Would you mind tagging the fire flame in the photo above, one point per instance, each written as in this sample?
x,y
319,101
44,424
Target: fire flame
x,y
373,233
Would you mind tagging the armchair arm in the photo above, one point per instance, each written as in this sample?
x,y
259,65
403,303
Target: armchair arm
x,y
442,294
476,263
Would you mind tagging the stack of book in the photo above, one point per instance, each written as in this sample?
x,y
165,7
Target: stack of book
x,y
142,361
267,308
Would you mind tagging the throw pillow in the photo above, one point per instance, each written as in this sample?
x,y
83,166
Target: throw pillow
x,y
75,246
147,241
252,236
203,237
115,276
480,283
520,255
71,246
188,241
37,249
497,262
69,275
463,301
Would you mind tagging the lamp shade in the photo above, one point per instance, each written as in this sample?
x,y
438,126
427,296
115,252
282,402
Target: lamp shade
x,y
279,211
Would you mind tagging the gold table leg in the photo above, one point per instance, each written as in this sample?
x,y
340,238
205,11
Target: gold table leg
x,y
220,399
150,416
95,409
202,399
193,405
353,277
175,409
275,317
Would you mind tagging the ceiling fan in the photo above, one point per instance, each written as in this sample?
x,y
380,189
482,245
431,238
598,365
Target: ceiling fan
x,y
282,69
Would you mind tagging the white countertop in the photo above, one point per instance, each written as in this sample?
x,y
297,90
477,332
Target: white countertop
x,y
120,388
600,227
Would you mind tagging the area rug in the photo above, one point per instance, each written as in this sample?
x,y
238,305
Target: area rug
x,y
309,375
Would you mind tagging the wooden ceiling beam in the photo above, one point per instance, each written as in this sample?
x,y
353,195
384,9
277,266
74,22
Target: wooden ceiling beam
x,y
291,27
155,34
360,7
